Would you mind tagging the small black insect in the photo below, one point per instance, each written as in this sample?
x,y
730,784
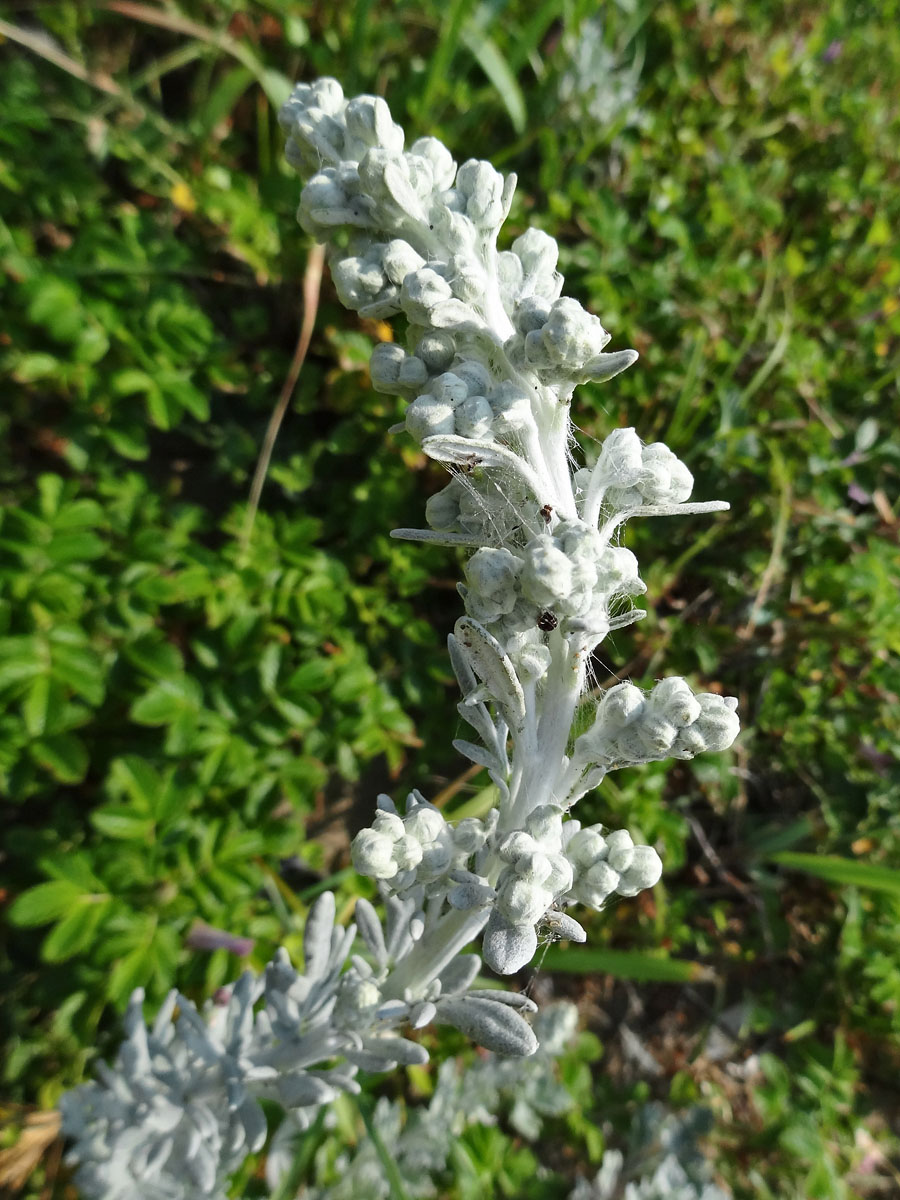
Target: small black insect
x,y
547,513
547,621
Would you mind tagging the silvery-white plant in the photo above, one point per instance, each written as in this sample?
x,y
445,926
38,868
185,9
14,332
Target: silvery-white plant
x,y
420,1140
663,1161
493,354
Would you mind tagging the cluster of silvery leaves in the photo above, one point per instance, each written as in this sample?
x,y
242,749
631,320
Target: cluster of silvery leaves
x,y
492,358
663,1161
420,1140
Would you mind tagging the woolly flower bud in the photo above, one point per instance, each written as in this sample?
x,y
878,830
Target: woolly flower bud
x,y
533,867
469,835
369,123
373,854
665,479
438,157
522,902
492,575
361,284
544,824
569,337
450,387
436,858
531,314
356,997
442,509
539,254
324,191
631,728
422,291
559,881
586,847
673,699
394,371
597,885
428,416
332,198
617,572
620,706
313,120
509,276
400,260
718,721
516,844
474,418
531,661
436,350
482,188
619,850
407,853
644,872
662,479
389,824
621,459
547,573
424,823
475,376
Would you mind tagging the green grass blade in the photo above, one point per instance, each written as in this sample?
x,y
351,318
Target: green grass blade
x,y
627,964
306,1148
448,40
391,1170
844,871
488,56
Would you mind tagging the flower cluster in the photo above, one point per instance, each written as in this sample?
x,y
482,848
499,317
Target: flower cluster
x,y
566,579
670,722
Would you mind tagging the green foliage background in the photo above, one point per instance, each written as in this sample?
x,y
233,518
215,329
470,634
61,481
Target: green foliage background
x,y
192,727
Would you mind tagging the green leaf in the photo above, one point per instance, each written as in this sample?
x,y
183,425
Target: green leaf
x,y
312,676
626,964
64,755
21,658
154,656
119,821
131,380
138,779
844,871
76,931
269,664
167,701
38,703
79,667
45,902
128,973
50,488
56,306
78,514
75,546
74,867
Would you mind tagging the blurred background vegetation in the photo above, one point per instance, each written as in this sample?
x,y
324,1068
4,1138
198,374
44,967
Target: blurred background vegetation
x,y
195,722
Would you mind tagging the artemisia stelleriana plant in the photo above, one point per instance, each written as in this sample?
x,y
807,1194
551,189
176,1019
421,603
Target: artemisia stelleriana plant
x,y
493,353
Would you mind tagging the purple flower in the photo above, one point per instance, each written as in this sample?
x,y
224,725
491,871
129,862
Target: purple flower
x,y
204,937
